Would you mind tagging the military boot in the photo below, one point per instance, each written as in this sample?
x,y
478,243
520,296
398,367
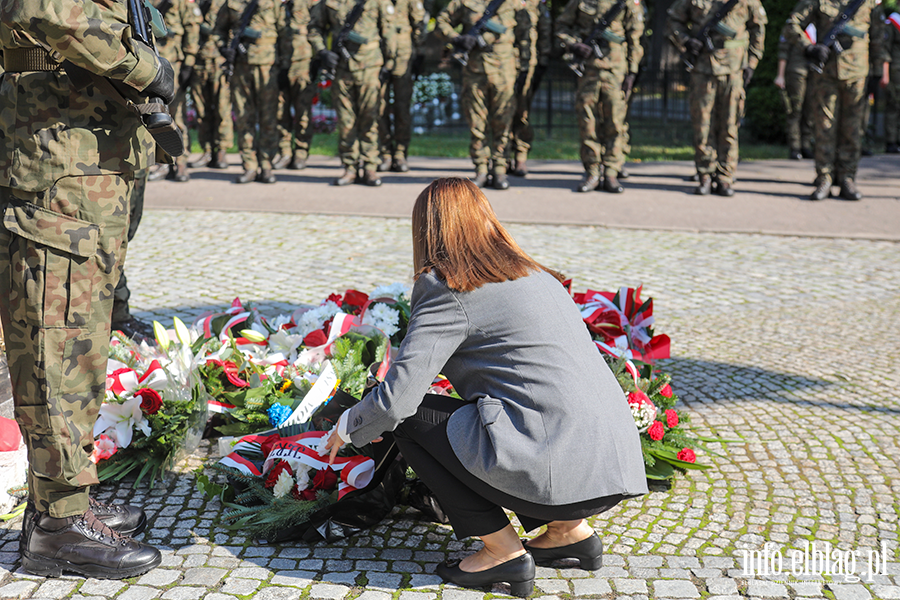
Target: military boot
x,y
123,518
823,188
481,178
220,161
624,174
346,178
520,166
83,544
266,176
385,164
400,165
201,161
181,175
589,183
159,173
500,182
704,186
724,188
795,154
611,184
848,189
133,328
247,176
371,178
281,161
299,161
892,148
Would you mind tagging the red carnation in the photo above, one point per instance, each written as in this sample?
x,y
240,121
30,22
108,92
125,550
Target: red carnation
x,y
151,401
656,431
355,298
325,479
280,466
309,494
639,398
671,418
687,455
666,391
336,298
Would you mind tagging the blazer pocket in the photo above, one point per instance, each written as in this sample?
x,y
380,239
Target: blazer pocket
x,y
489,409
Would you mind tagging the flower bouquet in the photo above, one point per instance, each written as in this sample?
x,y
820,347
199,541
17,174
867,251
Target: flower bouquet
x,y
155,408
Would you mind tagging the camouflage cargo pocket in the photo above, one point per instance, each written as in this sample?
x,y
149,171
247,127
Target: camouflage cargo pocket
x,y
53,266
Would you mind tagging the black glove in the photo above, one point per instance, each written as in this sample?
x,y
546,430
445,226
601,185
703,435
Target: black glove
x,y
748,75
628,83
184,76
580,50
227,53
329,60
384,75
284,81
465,42
418,64
817,53
520,80
163,85
693,46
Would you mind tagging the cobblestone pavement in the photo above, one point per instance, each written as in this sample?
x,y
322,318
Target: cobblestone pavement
x,y
787,345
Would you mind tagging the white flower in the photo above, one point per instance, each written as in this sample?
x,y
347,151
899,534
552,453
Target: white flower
x,y
119,420
303,479
394,290
314,318
383,317
283,485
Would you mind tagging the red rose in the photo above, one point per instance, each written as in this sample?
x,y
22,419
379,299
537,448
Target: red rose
x,y
687,455
280,466
325,479
671,418
315,339
639,398
355,298
666,391
336,298
268,443
304,495
656,431
151,401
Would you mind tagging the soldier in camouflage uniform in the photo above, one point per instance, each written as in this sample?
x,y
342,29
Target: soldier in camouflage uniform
x,y
179,47
840,88
892,98
489,79
718,81
791,78
64,220
254,86
600,100
298,89
531,70
395,126
357,81
211,94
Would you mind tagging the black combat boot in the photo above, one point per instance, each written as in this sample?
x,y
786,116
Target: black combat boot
x,y
370,178
281,161
611,184
624,174
247,176
723,188
346,178
83,544
384,165
159,173
704,186
795,154
134,328
219,162
298,163
202,161
400,165
892,148
589,183
481,178
823,188
180,174
123,518
266,176
500,182
848,189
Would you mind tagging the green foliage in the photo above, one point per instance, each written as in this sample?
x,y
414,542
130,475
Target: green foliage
x,y
351,356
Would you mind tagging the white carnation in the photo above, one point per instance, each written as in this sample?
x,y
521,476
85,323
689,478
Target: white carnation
x,y
303,479
314,318
283,485
394,290
383,317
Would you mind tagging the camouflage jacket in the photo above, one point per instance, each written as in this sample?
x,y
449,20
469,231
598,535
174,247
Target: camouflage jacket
x,y
209,52
268,22
865,29
48,129
892,45
183,19
791,52
408,22
578,19
296,41
515,40
374,27
738,41
536,20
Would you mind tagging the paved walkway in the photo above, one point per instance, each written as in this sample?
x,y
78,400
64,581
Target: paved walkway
x,y
787,344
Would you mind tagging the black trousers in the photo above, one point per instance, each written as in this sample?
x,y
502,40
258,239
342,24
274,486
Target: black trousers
x,y
472,505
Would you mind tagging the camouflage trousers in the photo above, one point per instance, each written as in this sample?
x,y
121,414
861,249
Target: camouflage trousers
x,y
521,133
600,107
395,125
487,101
357,97
60,255
799,122
716,106
839,107
211,95
892,109
178,110
121,310
295,130
254,94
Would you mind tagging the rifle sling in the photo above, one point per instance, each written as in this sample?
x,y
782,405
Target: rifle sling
x,y
486,16
607,18
352,18
717,17
847,13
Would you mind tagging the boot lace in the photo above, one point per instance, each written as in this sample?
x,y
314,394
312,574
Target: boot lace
x,y
97,529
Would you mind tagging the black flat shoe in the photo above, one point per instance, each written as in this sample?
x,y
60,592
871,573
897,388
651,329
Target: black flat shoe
x,y
588,551
518,573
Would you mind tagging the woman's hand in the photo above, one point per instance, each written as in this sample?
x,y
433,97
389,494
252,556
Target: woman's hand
x,y
333,444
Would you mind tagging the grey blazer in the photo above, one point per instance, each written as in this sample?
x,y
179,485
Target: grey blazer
x,y
547,422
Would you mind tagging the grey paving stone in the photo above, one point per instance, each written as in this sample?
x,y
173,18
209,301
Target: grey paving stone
x,y
184,593
297,552
766,589
241,587
205,576
417,596
454,593
328,591
17,589
675,588
160,577
425,581
293,578
886,592
849,591
406,566
100,587
675,573
590,587
389,581
55,588
251,573
721,586
218,596
642,561
373,595
552,586
138,592
630,586
345,578
277,593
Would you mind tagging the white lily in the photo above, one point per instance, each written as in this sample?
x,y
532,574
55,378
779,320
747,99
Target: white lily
x,y
119,420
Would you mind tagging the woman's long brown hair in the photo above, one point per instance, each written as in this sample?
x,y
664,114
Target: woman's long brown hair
x,y
456,234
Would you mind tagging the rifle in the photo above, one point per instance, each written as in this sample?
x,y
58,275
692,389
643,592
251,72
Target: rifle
x,y
830,40
145,23
601,30
484,22
346,34
236,46
689,58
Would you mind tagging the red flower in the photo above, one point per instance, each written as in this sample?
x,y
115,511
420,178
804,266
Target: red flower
x,y
638,398
280,466
268,443
656,431
666,391
687,455
309,494
336,298
315,339
231,372
325,479
671,418
355,298
151,401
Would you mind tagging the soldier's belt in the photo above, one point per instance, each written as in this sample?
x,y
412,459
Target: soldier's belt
x,y
22,60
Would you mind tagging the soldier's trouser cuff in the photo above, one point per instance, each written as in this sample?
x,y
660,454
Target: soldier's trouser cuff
x,y
58,500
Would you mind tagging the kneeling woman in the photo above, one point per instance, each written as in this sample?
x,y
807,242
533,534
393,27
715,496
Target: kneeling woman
x,y
543,430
